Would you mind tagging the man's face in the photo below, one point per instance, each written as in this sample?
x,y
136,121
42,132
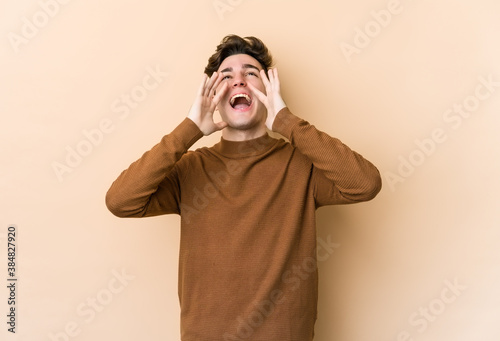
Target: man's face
x,y
239,107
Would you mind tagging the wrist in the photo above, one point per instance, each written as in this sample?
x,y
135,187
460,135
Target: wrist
x,y
194,120
279,107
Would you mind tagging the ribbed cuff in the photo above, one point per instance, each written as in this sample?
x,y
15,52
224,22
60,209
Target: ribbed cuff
x,y
187,132
284,122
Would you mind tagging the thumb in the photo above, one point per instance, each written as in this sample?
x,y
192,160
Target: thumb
x,y
220,125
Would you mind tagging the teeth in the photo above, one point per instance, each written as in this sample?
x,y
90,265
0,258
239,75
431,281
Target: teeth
x,y
240,95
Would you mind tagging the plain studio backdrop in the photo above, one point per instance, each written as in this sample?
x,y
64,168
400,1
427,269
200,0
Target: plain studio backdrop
x,y
414,86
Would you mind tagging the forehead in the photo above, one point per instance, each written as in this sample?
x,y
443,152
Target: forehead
x,y
237,61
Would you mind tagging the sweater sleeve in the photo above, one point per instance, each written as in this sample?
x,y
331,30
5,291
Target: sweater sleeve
x,y
150,186
339,174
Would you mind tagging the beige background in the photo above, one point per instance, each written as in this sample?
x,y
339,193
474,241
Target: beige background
x,y
434,225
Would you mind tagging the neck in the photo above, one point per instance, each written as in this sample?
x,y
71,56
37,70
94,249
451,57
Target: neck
x,y
232,134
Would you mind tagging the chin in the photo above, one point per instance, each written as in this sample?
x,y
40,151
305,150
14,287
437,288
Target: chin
x,y
241,119
242,123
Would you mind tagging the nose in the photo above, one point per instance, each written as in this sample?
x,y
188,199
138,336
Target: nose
x,y
239,81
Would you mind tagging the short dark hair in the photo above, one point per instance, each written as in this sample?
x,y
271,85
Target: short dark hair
x,y
233,44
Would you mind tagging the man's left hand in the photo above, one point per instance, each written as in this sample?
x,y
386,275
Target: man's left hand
x,y
272,98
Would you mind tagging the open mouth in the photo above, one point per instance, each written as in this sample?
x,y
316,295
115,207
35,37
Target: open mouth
x,y
240,101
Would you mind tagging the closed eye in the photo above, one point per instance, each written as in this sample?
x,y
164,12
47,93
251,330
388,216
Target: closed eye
x,y
251,73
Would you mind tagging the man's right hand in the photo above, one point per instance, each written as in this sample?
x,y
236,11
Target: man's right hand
x,y
202,110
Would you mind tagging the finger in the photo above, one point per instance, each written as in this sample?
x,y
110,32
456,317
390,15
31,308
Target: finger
x,y
220,125
270,73
257,93
208,85
216,84
202,85
220,93
217,98
264,78
276,78
219,85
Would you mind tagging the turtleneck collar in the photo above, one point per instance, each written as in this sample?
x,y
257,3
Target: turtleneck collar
x,y
245,148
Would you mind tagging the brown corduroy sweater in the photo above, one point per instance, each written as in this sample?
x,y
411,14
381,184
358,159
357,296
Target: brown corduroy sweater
x,y
247,263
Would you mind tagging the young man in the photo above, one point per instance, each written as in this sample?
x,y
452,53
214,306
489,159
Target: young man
x,y
247,263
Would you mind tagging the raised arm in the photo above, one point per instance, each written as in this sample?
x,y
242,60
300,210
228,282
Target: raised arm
x,y
150,185
137,193
340,175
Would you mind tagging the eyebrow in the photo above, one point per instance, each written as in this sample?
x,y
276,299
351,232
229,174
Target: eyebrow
x,y
245,66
